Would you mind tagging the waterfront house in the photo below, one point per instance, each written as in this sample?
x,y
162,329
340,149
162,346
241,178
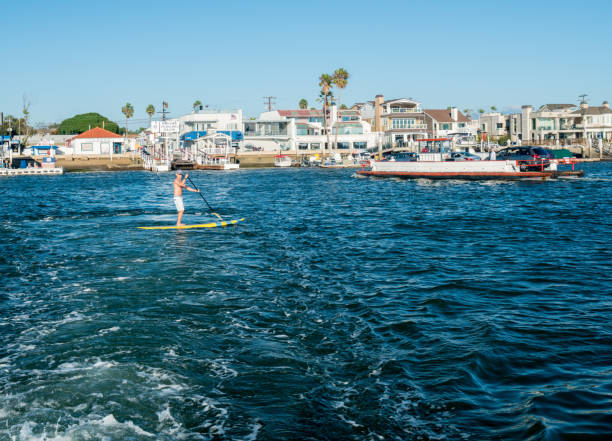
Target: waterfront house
x,y
302,130
96,141
492,124
401,121
595,122
203,121
442,123
560,123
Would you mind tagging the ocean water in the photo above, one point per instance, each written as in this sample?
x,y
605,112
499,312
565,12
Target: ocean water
x,y
342,309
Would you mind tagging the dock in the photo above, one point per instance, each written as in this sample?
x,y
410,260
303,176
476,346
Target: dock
x,y
31,171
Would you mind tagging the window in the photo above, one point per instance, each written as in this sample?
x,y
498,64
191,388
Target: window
x,y
315,146
500,125
360,145
402,123
105,148
303,146
445,126
461,125
87,147
343,145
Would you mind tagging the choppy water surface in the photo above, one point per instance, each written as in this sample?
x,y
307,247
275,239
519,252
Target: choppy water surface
x,y
343,308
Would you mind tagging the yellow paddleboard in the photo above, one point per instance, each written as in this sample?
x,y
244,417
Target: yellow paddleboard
x,y
211,225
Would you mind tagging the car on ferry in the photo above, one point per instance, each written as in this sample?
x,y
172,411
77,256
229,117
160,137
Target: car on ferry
x,y
529,157
463,156
400,156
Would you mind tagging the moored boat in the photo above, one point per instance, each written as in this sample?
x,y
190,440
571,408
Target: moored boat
x,y
282,161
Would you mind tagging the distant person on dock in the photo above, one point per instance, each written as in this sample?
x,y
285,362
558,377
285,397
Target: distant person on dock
x,y
492,155
179,184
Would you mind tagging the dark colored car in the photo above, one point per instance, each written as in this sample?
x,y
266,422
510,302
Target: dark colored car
x,y
401,156
528,157
464,156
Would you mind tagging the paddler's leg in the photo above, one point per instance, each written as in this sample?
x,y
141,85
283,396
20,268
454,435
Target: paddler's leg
x,y
180,209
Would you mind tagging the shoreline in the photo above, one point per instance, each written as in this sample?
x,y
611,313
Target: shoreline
x,y
73,164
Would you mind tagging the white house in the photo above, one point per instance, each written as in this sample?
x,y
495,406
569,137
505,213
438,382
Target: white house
x,y
205,121
302,131
96,141
442,123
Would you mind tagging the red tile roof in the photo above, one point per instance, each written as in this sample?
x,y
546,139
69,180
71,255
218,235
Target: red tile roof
x,y
97,132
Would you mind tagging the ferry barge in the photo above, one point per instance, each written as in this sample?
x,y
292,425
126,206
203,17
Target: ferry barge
x,y
433,161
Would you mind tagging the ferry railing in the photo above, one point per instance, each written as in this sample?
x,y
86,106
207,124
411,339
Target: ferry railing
x,y
543,163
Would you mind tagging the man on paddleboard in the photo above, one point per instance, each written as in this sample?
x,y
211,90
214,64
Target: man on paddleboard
x,y
179,184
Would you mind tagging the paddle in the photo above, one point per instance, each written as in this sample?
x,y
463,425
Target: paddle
x,y
210,208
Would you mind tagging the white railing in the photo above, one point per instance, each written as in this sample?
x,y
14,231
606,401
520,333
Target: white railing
x,y
410,126
217,150
405,110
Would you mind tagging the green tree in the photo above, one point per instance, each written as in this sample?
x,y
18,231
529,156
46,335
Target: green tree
x,y
343,107
150,111
83,122
196,104
481,111
468,113
340,80
493,108
303,104
128,111
325,82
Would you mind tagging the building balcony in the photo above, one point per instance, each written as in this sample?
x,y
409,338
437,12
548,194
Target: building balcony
x,y
218,151
403,110
267,134
410,126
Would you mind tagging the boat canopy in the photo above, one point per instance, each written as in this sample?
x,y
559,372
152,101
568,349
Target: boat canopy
x,y
235,134
193,135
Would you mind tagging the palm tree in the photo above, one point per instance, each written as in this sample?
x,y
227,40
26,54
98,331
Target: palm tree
x,y
339,78
128,111
325,82
150,112
196,104
303,104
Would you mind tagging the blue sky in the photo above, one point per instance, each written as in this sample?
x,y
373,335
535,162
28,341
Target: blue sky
x,y
75,57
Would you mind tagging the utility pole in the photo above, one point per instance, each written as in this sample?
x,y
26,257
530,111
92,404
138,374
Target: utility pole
x,y
583,112
269,102
163,112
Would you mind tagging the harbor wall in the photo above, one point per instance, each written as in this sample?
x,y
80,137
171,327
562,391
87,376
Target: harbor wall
x,y
97,163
